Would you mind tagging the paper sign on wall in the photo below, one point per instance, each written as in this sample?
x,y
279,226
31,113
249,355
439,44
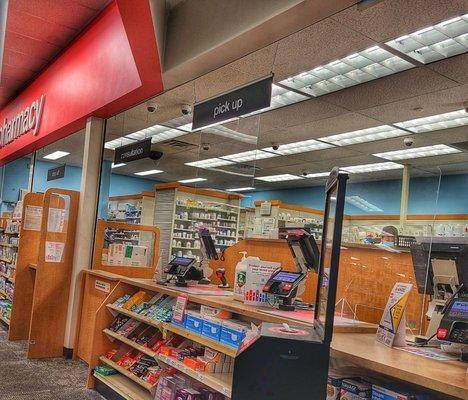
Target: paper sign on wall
x,y
54,251
258,273
32,218
392,327
18,210
102,286
56,220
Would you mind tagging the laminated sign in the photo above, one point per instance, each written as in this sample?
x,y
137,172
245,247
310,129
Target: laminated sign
x,y
392,327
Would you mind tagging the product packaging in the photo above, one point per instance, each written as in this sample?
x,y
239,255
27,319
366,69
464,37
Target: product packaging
x,y
353,389
394,391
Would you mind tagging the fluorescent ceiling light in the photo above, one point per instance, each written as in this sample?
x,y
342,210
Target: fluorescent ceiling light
x,y
418,152
362,204
278,178
56,155
384,166
113,144
221,130
149,172
242,189
118,165
192,180
437,42
317,175
299,147
436,122
364,135
250,155
210,163
364,66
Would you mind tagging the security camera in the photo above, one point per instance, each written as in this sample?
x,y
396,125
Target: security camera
x,y
206,146
304,173
186,109
275,146
151,106
408,141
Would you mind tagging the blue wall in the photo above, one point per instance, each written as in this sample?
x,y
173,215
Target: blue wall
x,y
385,195
123,184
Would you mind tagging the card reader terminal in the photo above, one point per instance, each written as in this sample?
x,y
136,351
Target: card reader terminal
x,y
183,268
284,284
454,325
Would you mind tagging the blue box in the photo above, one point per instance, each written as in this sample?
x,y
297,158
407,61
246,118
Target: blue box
x,y
211,328
194,321
396,392
181,324
233,333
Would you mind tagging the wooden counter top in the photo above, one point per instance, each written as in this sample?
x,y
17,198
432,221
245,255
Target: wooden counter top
x,y
449,377
229,304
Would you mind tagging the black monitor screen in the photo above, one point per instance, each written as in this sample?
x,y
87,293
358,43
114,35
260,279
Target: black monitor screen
x,y
183,261
285,276
208,245
323,278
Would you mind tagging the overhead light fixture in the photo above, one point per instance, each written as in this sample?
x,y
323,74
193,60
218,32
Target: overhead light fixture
x,y
251,155
362,204
56,155
375,167
317,175
418,152
242,189
437,42
210,163
122,141
364,135
118,165
149,172
193,180
221,130
436,122
364,66
279,178
303,146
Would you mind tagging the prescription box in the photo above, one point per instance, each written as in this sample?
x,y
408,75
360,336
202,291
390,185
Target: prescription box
x,y
182,323
211,328
233,333
352,389
194,321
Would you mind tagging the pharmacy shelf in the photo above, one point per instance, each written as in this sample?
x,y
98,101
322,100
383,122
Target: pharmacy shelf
x,y
5,320
186,248
126,373
130,343
8,245
12,280
214,209
205,341
6,260
185,230
4,294
124,386
220,382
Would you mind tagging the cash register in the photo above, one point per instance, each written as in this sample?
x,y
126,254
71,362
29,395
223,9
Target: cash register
x,y
454,325
184,269
286,284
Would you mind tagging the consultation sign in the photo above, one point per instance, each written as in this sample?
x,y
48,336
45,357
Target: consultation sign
x,y
243,100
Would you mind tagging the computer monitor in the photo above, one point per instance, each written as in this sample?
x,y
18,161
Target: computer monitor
x,y
208,245
304,249
427,255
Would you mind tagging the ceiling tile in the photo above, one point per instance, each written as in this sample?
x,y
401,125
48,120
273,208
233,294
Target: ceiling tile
x,y
454,68
388,19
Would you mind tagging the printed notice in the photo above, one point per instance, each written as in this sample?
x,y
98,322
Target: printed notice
x,y
258,273
102,286
179,308
392,327
54,251
32,218
56,220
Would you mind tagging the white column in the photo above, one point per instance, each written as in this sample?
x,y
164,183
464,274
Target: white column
x,y
95,131
404,196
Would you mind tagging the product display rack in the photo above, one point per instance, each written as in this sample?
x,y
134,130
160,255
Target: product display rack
x,y
9,244
181,210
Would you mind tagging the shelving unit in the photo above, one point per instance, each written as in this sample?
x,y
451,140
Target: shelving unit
x,y
125,387
126,373
9,243
182,210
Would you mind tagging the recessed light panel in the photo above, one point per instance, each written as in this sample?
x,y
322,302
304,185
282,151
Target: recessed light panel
x,y
278,178
362,204
367,65
242,189
118,165
149,172
375,167
418,152
193,180
210,163
299,147
436,122
317,175
437,42
250,155
113,144
56,155
364,135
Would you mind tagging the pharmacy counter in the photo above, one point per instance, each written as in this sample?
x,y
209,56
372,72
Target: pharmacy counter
x,y
446,377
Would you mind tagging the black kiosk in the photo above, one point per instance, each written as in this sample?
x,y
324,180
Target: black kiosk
x,y
285,363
